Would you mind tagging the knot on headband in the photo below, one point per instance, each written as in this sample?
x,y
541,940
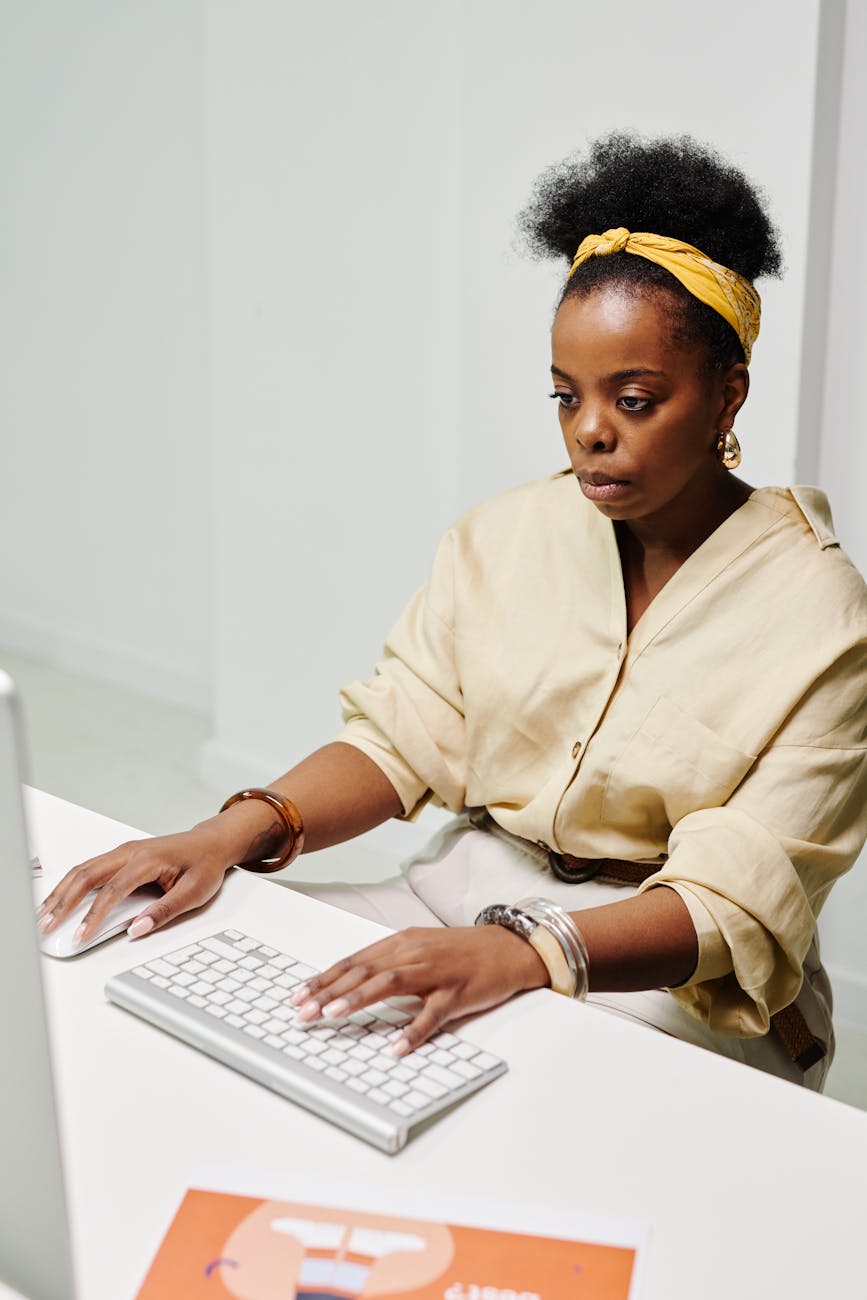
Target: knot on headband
x,y
724,290
612,241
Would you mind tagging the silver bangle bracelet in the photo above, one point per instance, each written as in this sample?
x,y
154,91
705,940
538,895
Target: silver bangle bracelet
x,y
560,924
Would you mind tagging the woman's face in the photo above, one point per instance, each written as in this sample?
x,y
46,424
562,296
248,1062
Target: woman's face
x,y
639,417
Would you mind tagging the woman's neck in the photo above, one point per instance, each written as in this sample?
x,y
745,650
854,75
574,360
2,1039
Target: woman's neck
x,y
654,548
681,528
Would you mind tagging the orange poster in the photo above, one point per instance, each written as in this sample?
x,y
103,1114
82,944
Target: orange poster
x,y
227,1247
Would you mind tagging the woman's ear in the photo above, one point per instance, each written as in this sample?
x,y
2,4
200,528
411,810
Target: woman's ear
x,y
735,387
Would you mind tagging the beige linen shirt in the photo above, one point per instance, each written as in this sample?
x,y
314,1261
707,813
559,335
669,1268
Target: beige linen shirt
x,y
725,737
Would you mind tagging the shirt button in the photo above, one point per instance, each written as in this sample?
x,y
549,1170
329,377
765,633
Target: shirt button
x,y
576,749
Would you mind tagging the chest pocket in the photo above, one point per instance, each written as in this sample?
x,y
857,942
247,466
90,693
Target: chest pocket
x,y
672,766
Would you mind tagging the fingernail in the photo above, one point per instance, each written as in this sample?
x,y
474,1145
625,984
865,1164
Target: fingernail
x,y
401,1046
40,909
334,1010
141,925
80,933
299,995
309,1011
45,921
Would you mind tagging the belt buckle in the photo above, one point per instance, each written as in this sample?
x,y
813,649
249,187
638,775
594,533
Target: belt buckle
x,y
560,865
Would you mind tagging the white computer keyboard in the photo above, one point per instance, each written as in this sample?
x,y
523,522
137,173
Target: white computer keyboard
x,y
228,995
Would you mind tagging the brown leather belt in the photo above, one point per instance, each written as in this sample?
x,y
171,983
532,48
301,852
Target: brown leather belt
x,y
802,1045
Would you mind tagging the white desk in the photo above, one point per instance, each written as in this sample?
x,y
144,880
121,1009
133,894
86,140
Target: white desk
x,y
753,1188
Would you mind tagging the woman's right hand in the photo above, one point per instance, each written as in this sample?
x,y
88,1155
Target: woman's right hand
x,y
189,867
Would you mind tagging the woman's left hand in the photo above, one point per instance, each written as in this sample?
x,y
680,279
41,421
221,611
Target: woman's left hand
x,y
454,971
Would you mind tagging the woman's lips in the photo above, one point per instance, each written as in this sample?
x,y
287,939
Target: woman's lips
x,y
600,487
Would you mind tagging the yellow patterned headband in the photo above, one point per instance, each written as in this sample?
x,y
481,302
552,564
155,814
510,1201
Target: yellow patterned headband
x,y
725,291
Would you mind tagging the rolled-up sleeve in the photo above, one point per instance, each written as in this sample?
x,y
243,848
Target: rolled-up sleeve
x,y
755,872
408,718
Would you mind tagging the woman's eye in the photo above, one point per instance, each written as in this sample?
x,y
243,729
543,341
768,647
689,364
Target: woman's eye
x,y
634,403
565,399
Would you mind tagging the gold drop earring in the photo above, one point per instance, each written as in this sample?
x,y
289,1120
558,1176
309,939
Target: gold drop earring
x,y
728,449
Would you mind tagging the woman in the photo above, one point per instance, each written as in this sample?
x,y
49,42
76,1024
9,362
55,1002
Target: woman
x,y
642,678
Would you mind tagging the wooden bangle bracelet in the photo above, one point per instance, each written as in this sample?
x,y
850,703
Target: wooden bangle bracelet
x,y
289,815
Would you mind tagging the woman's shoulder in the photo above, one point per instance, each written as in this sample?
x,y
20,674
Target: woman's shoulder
x,y
828,579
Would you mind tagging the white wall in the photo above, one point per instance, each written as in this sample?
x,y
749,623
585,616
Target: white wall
x,y
379,350
843,460
104,490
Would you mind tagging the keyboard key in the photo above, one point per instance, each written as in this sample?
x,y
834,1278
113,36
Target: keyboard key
x,y
391,1015
195,1001
254,1031
184,954
466,1069
357,1085
268,952
417,1100
233,935
218,1012
160,981
430,1086
447,1078
254,1017
235,1021
161,967
334,1073
485,1061
266,1004
178,991
273,1041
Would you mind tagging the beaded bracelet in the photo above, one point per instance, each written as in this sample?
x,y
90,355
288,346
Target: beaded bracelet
x,y
291,819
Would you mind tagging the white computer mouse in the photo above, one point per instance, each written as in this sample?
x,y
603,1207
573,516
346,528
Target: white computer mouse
x,y
60,942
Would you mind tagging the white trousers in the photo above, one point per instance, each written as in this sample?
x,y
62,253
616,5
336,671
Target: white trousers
x,y
463,869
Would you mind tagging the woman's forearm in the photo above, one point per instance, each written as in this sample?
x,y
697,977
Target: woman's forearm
x,y
339,792
645,942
